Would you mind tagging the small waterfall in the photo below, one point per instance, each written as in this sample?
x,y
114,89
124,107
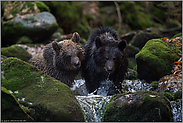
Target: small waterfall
x,y
93,106
177,110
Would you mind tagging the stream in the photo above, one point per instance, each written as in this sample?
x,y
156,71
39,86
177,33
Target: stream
x,y
94,105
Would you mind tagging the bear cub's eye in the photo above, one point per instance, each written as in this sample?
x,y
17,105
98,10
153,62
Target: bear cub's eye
x,y
69,56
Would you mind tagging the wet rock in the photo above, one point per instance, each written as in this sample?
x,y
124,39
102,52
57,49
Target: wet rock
x,y
24,40
38,27
131,74
171,31
49,99
140,106
79,88
12,110
140,39
131,50
155,59
16,51
128,36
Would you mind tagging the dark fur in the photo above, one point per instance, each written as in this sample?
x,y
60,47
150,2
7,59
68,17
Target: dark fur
x,y
61,60
105,58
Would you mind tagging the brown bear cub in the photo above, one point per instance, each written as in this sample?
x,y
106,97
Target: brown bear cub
x,y
105,59
61,60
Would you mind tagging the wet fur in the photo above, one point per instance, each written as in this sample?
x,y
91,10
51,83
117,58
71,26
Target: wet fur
x,y
55,60
104,51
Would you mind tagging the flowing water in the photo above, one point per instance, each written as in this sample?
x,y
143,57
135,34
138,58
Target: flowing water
x,y
94,105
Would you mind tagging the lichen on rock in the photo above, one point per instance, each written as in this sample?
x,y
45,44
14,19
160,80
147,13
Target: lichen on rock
x,y
16,51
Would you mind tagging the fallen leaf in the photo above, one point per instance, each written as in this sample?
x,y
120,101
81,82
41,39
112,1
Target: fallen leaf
x,y
152,95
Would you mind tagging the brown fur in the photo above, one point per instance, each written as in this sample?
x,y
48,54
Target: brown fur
x,y
61,60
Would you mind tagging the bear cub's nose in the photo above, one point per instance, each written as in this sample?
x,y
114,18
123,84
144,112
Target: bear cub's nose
x,y
77,64
109,70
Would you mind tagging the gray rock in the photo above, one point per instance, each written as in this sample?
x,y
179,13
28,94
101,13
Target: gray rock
x,y
140,39
38,27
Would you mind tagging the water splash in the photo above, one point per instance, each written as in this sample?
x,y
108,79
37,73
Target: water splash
x,y
177,110
93,106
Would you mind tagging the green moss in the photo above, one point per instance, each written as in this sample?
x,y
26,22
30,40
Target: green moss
x,y
9,32
154,84
18,74
177,95
54,24
169,95
69,16
15,51
159,55
24,40
56,100
9,106
136,17
178,35
42,6
132,74
148,106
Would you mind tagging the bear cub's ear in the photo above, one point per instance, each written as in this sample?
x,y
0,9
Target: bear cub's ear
x,y
75,37
56,47
98,42
122,45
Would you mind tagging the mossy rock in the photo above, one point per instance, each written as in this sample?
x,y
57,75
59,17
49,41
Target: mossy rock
x,y
173,96
42,6
3,57
10,107
51,99
140,106
24,40
169,95
16,51
155,59
131,50
154,84
140,39
131,74
178,35
38,27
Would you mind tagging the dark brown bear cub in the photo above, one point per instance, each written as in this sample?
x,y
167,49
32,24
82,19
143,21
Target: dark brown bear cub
x,y
61,60
105,59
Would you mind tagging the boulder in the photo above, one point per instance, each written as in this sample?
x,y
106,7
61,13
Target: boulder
x,y
140,39
38,27
11,9
155,59
137,107
12,110
46,98
16,51
131,50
